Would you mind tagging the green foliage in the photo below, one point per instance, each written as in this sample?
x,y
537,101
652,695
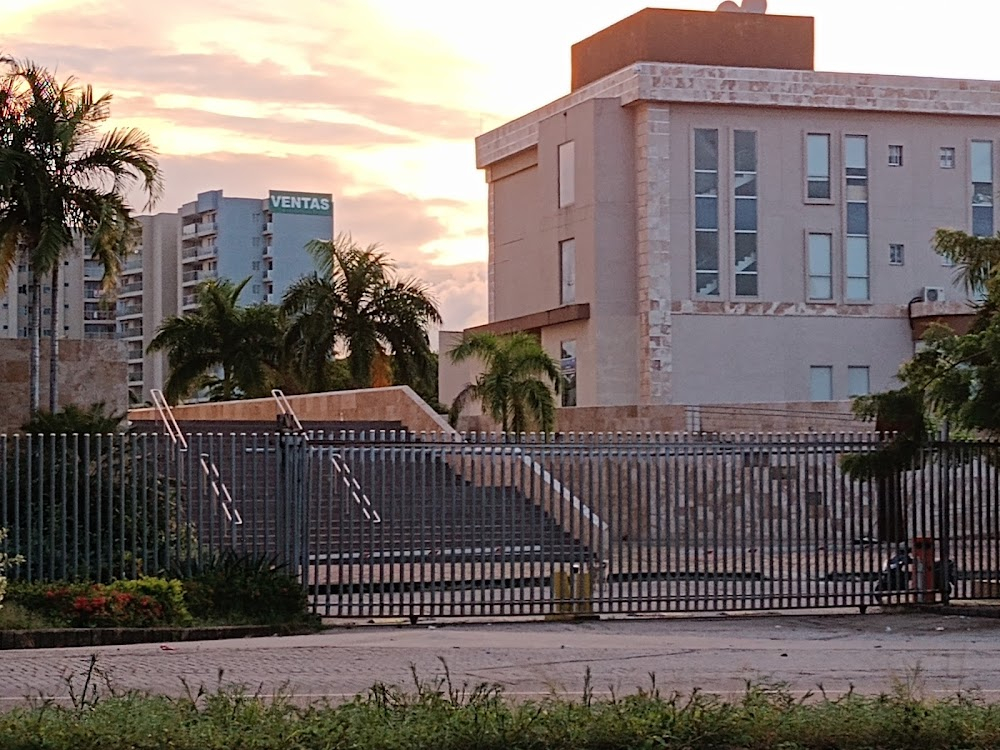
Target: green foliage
x,y
439,716
91,471
898,415
514,387
74,420
357,304
6,560
245,588
145,602
243,342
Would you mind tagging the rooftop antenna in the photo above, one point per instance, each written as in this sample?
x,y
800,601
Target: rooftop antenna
x,y
748,6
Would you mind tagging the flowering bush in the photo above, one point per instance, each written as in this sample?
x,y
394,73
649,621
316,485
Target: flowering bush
x,y
143,603
5,561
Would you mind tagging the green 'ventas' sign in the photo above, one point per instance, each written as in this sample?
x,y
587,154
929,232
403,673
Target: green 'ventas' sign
x,y
314,204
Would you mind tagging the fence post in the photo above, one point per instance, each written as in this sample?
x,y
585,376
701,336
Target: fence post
x,y
945,510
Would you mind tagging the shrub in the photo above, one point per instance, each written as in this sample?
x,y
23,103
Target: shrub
x,y
142,603
5,560
244,587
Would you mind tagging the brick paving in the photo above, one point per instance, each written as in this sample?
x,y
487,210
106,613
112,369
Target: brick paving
x,y
940,654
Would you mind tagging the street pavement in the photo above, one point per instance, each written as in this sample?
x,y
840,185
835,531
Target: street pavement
x,y
933,655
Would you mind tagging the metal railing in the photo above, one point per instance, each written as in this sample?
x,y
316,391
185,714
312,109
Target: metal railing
x,y
211,472
288,419
468,526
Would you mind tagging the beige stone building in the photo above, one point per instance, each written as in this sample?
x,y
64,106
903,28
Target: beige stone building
x,y
705,219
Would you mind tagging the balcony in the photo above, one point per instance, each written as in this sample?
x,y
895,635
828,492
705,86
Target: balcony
x,y
269,228
189,230
91,315
268,274
268,251
190,253
193,277
207,227
99,333
134,374
132,265
92,270
134,354
130,332
130,309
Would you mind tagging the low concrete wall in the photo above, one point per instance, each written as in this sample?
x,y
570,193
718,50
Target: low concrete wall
x,y
395,404
90,371
827,416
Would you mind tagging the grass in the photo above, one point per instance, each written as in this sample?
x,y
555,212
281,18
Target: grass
x,y
13,616
436,715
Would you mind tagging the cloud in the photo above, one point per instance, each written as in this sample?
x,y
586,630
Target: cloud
x,y
274,128
406,227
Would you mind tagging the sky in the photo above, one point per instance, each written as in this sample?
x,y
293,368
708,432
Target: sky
x,y
379,101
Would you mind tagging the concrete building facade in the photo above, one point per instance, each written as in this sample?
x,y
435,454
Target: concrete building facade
x,y
722,224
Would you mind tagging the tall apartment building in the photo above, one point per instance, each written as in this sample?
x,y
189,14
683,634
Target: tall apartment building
x,y
88,311
250,238
147,294
706,219
211,237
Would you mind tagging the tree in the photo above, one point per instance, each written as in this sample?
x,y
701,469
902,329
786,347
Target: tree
x,y
357,304
62,173
517,384
220,335
955,378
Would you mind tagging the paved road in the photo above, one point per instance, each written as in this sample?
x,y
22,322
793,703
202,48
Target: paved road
x,y
940,655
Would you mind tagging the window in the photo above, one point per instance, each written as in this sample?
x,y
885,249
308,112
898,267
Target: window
x,y
567,174
857,381
856,287
818,166
745,202
706,212
821,383
895,156
896,255
256,265
820,251
567,365
256,288
946,157
567,272
982,188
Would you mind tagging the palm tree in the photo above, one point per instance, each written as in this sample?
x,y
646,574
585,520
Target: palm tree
x,y
62,174
241,342
356,304
512,388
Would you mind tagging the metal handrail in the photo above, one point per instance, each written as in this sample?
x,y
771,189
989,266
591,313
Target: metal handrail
x,y
208,467
286,411
167,416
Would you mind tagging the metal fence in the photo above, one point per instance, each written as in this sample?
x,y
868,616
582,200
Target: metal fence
x,y
397,524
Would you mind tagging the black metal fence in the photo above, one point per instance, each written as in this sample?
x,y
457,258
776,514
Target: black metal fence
x,y
397,524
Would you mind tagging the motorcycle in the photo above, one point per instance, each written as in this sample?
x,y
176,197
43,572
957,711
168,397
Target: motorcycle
x,y
897,576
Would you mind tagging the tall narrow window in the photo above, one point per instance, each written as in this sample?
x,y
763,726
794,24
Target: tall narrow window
x,y
567,272
567,365
858,381
821,383
567,174
896,255
946,157
818,166
982,188
706,212
820,251
895,156
856,286
745,201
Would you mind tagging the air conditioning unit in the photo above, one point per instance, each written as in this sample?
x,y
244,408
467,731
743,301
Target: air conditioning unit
x,y
933,294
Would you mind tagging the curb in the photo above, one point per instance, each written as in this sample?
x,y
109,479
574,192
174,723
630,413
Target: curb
x,y
77,637
968,611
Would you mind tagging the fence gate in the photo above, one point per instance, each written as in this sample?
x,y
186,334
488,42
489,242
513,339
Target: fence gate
x,y
403,525
392,524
